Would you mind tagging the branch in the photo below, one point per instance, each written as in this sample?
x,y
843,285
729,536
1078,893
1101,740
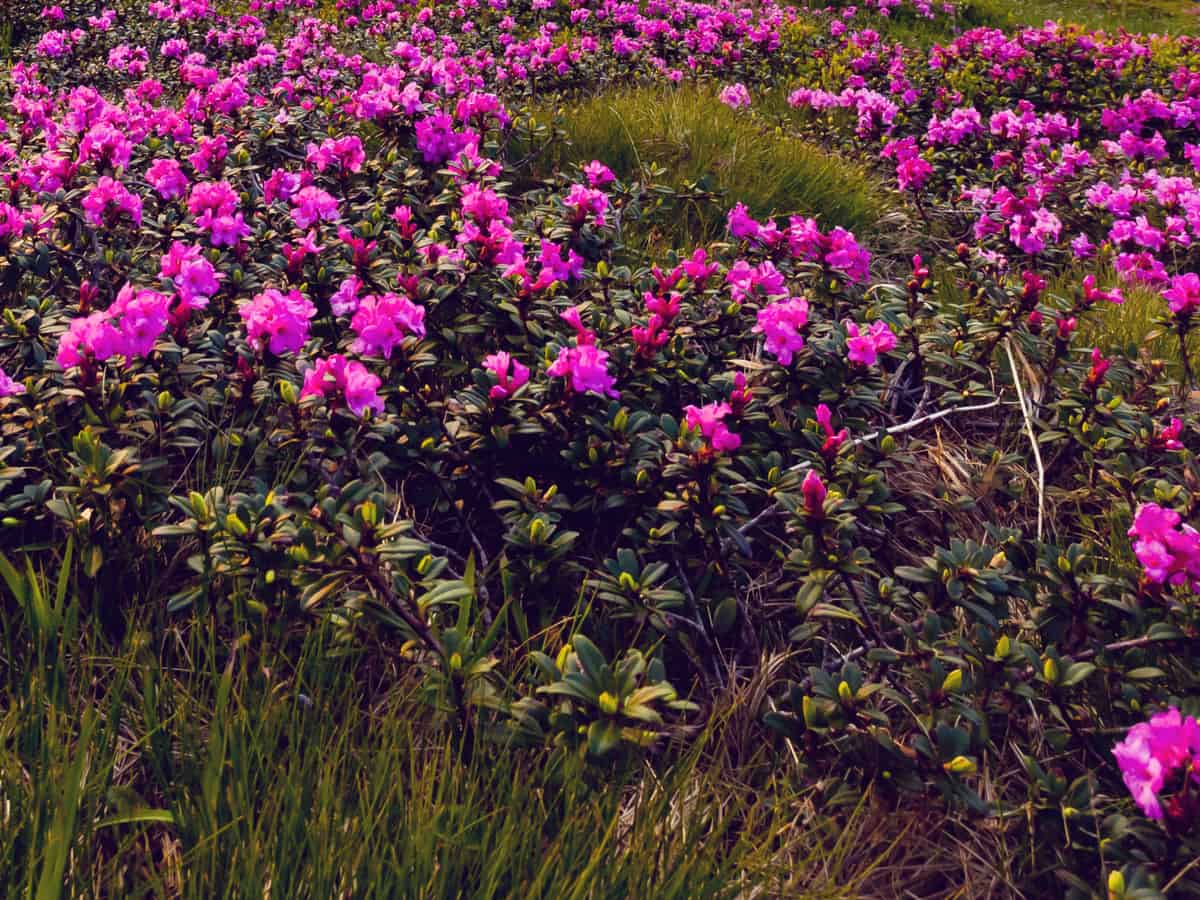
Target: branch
x,y
1037,453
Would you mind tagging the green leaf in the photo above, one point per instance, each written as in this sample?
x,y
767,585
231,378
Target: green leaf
x,y
1145,673
603,737
1076,672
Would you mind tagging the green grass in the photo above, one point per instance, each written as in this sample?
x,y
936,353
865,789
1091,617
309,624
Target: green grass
x,y
694,138
1148,16
191,760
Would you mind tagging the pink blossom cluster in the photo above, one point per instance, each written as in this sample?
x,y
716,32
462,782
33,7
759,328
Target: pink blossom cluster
x,y
1168,550
130,327
708,420
350,378
1153,752
277,321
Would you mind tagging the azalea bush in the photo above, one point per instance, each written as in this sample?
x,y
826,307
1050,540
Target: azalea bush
x,y
300,332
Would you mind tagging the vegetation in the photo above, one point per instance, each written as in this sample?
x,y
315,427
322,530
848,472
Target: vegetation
x,y
587,450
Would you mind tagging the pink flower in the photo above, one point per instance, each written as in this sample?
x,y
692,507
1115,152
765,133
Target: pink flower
x,y
833,440
781,324
345,153
1168,437
109,197
1168,551
351,377
166,176
814,491
1100,367
598,174
194,276
345,299
311,205
1183,295
130,327
506,385
1153,751
9,387
707,420
277,321
1091,293
382,322
735,96
746,281
587,367
864,347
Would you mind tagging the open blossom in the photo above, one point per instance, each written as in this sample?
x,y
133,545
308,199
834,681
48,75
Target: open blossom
x,y
194,276
1183,296
356,383
109,196
1168,437
344,300
510,374
582,202
781,324
735,96
166,176
587,367
311,205
381,322
707,419
746,281
598,174
1152,752
345,153
864,347
130,327
277,320
1168,550
9,387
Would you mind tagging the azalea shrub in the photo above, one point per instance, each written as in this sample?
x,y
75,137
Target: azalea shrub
x,y
298,330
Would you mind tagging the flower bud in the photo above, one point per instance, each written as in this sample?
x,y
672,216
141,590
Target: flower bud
x,y
628,582
960,765
844,692
952,682
536,529
1050,670
287,391
234,523
1116,885
609,704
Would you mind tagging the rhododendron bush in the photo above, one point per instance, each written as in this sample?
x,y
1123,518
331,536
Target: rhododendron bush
x,y
298,329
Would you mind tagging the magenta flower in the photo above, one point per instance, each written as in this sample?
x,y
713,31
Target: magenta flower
x,y
1168,437
1183,295
587,368
109,197
735,96
9,387
351,377
814,491
781,323
598,174
166,176
1168,550
864,347
500,364
1152,752
311,205
833,440
707,420
344,153
344,300
194,276
130,327
382,322
277,321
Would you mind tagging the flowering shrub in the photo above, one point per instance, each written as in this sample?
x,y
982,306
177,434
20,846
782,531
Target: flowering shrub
x,y
294,323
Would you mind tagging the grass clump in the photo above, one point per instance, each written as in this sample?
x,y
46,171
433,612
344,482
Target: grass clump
x,y
698,140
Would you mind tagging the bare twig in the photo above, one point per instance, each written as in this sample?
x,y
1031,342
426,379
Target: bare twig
x,y
1033,442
